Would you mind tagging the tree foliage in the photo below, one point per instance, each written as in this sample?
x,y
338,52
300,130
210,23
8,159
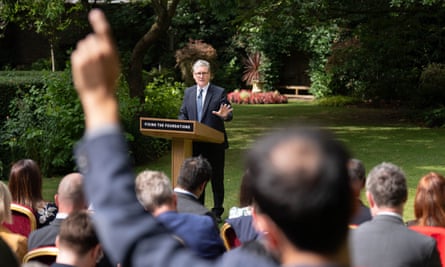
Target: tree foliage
x,y
46,17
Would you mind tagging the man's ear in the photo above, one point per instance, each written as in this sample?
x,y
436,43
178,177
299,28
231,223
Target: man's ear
x,y
96,253
370,199
263,224
56,199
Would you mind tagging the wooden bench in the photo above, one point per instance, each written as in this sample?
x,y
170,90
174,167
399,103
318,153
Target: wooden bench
x,y
300,92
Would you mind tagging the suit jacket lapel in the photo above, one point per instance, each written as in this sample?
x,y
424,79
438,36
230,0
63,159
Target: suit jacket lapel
x,y
194,111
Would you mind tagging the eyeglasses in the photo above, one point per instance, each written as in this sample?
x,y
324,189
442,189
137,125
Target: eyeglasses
x,y
201,73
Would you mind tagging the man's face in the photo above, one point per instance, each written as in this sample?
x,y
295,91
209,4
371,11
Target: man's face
x,y
201,75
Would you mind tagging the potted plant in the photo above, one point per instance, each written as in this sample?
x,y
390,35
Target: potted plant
x,y
252,73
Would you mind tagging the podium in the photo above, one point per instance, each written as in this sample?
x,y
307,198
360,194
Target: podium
x,y
182,133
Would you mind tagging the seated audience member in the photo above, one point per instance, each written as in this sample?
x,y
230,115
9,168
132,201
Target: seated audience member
x,y
240,218
25,185
77,242
429,203
303,198
385,240
357,175
198,232
69,198
8,258
15,241
194,174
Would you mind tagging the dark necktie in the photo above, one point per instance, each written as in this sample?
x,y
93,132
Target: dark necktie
x,y
199,104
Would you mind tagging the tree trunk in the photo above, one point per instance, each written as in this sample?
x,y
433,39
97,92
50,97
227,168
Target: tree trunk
x,y
164,13
53,61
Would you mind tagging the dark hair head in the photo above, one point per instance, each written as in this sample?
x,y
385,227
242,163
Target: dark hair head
x,y
356,170
301,183
245,195
25,183
429,204
194,172
77,233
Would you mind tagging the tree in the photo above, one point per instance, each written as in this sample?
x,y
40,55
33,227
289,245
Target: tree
x,y
46,17
164,12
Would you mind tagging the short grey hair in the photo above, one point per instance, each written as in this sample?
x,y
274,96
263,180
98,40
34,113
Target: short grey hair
x,y
153,189
201,63
387,184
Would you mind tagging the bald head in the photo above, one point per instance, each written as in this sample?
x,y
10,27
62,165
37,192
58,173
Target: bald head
x,y
70,196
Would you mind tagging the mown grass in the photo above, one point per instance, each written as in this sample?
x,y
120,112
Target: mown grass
x,y
372,135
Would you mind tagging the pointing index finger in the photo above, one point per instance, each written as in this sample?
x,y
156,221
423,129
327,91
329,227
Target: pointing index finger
x,y
100,24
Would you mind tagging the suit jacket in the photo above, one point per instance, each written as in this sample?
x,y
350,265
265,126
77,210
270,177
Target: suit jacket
x,y
189,204
386,241
45,236
130,235
215,97
198,232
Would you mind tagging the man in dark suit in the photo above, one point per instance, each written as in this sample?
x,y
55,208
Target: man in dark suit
x,y
69,198
303,199
194,174
208,104
385,240
154,191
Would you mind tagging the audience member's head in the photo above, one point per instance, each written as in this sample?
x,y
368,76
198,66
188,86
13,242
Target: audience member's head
x,y
357,174
302,189
77,241
70,195
25,183
429,204
153,189
245,195
5,204
194,174
386,183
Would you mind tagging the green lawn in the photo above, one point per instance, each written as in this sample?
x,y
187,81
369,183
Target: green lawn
x,y
372,135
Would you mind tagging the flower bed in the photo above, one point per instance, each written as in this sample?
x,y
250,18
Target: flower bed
x,y
244,96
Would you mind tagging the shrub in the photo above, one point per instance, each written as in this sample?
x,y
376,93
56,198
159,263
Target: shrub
x,y
194,50
13,81
247,97
434,117
338,101
163,98
44,123
432,86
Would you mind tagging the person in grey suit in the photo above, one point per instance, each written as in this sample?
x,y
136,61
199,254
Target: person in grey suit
x,y
155,193
385,240
193,176
303,199
69,198
208,104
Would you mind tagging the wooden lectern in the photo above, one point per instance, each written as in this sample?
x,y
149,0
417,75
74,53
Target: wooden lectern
x,y
182,133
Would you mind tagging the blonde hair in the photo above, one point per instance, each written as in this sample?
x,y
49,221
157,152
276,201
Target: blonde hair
x,y
5,204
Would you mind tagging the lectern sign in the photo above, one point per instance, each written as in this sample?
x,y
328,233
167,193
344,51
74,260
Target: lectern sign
x,y
183,126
